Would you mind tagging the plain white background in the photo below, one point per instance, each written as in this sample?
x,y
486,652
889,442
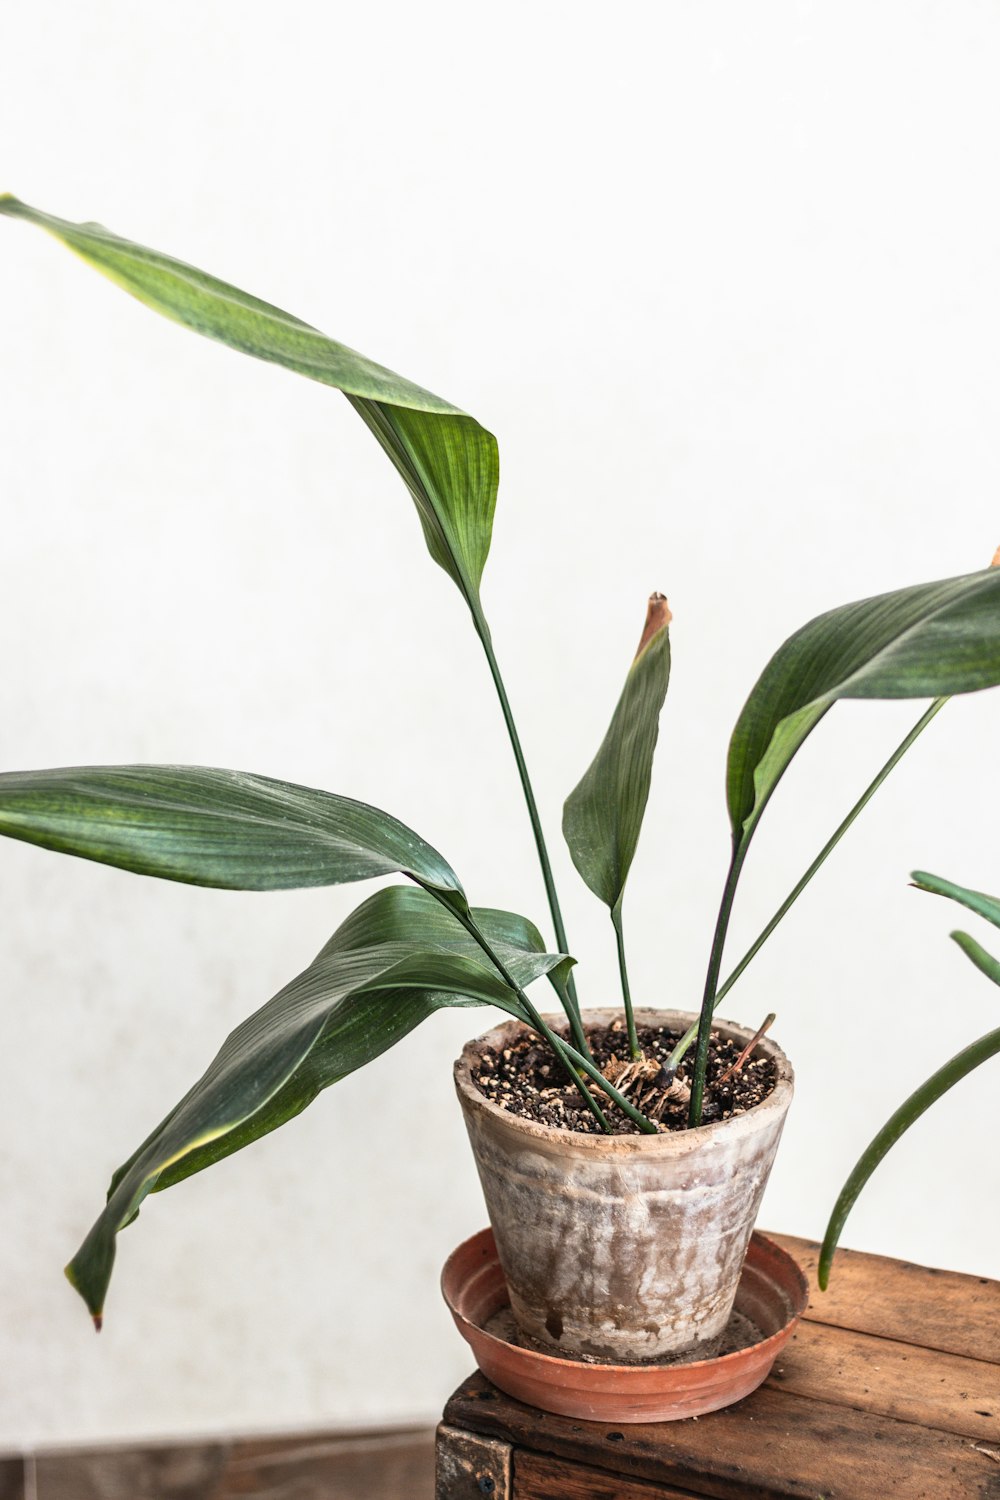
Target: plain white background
x,y
723,279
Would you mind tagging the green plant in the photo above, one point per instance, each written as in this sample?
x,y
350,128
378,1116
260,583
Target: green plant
x,y
408,951
940,1081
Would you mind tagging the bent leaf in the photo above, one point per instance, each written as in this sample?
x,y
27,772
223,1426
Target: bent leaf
x,y
928,641
977,901
908,1113
227,829
602,816
938,1084
393,962
448,462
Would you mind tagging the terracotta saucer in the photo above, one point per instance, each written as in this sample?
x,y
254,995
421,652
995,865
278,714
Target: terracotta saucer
x,y
772,1294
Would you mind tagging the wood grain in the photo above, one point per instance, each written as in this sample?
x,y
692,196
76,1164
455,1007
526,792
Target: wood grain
x,y
773,1444
380,1465
538,1478
892,1379
942,1310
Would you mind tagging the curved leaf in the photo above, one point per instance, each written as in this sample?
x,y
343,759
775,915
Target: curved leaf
x,y
227,829
448,462
923,642
393,962
938,1084
602,816
919,1101
977,901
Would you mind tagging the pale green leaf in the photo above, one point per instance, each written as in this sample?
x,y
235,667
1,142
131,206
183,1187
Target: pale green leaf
x,y
977,901
448,462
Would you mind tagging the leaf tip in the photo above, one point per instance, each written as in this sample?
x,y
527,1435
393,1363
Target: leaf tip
x,y
658,617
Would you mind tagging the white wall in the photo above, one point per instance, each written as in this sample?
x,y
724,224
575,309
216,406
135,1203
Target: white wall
x,y
723,279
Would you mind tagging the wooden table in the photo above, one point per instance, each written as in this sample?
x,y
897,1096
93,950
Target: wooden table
x,y
890,1390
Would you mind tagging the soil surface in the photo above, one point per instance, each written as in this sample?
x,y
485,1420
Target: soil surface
x,y
529,1081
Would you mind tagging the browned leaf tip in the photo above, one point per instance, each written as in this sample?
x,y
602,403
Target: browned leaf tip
x,y
657,616
98,1322
996,559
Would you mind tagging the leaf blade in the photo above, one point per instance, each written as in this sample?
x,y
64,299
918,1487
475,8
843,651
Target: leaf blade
x,y
931,640
977,901
200,825
602,816
945,1078
448,461
366,989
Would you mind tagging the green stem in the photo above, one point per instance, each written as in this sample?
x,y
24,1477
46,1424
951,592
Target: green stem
x,y
711,982
827,849
646,1126
557,1044
571,1005
633,1035
571,1059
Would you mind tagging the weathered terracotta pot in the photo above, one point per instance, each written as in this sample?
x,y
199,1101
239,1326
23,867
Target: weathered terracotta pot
x,y
626,1248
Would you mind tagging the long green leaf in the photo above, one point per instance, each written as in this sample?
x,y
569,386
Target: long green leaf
x,y
602,816
939,1083
227,829
928,641
977,901
919,1101
398,958
448,462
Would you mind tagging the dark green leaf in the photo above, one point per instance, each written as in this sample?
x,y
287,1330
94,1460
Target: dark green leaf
x,y
977,901
924,642
603,816
398,958
227,829
447,460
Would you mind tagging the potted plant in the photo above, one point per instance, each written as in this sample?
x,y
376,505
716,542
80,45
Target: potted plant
x,y
638,1092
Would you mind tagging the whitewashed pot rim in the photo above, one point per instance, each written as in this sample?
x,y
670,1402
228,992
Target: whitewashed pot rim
x,y
553,1140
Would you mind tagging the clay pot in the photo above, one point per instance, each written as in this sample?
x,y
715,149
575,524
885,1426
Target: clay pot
x,y
624,1248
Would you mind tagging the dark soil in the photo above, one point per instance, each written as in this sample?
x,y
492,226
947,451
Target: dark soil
x,y
527,1079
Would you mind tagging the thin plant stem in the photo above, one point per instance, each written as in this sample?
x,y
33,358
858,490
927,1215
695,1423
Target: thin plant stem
x,y
645,1125
571,1004
633,1035
711,984
573,1061
682,1046
557,1044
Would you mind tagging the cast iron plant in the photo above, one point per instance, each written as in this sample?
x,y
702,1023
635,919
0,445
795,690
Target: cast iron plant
x,y
411,949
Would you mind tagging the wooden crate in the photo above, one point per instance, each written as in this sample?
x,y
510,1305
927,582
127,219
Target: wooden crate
x,y
889,1390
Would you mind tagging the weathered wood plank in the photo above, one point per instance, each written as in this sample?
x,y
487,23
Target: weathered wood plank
x,y
914,1304
892,1379
379,1465
773,1444
538,1478
470,1467
12,1486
